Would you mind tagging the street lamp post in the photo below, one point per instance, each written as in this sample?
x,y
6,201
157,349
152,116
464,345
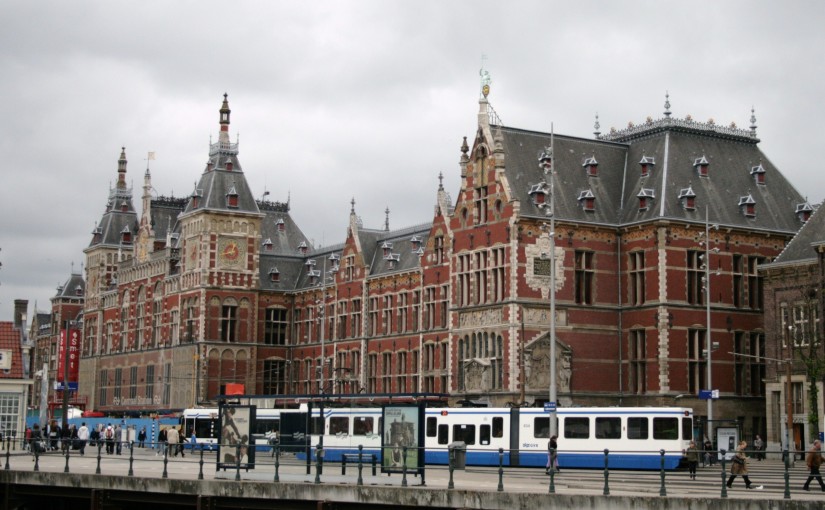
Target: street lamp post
x,y
788,402
709,341
546,163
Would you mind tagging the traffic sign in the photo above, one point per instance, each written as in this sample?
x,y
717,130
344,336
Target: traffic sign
x,y
549,406
708,394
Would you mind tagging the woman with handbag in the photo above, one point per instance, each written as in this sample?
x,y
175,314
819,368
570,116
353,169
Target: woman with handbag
x,y
739,466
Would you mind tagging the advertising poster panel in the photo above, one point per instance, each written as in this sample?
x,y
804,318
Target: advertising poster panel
x,y
402,426
236,444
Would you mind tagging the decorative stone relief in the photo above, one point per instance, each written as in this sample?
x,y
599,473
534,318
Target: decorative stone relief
x,y
542,316
537,368
476,375
537,273
480,318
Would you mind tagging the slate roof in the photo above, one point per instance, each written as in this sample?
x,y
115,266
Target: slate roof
x,y
70,289
401,254
731,154
801,248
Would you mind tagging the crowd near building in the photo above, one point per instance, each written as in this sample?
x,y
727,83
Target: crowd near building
x,y
671,242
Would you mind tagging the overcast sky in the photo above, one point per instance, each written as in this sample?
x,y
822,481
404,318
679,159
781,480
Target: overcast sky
x,y
340,99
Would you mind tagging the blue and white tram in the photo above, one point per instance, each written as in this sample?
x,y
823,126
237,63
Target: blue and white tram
x,y
347,428
204,421
633,436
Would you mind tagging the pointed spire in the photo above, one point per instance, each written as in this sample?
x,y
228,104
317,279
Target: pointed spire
x,y
387,219
121,169
352,206
440,181
667,104
597,126
753,122
224,119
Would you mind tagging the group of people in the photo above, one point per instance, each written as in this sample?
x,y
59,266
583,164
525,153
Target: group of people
x,y
172,439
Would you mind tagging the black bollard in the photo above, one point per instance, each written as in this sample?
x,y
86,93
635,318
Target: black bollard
x,y
7,455
360,464
553,470
277,462
165,462
662,491
131,457
787,463
200,472
724,473
606,490
404,467
66,469
99,448
451,459
37,458
319,454
500,470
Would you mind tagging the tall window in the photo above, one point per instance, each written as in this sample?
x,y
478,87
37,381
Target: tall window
x,y
167,384
157,314
274,377
372,373
416,309
386,372
401,371
229,322
695,272
103,384
480,204
414,371
133,382
755,292
174,327
124,320
480,277
403,312
442,305
342,320
118,382
696,359
463,279
140,329
349,268
275,327
9,414
637,356
637,278
356,318
386,313
584,277
738,281
497,275
438,249
150,382
373,325
497,362
757,364
191,329
429,308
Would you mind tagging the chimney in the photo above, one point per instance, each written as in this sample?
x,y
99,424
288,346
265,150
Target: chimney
x,y
21,306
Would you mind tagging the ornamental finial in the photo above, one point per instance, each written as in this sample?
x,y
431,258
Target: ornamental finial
x,y
597,126
667,104
753,122
485,78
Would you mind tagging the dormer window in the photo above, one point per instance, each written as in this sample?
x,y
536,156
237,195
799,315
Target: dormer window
x,y
758,173
310,263
78,290
747,205
415,242
587,200
228,165
335,261
232,198
538,193
126,236
647,163
591,166
302,248
387,248
701,165
97,235
803,211
124,206
268,245
688,198
314,276
645,196
274,275
393,259
280,225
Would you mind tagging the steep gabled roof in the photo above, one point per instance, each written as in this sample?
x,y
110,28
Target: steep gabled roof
x,y
801,248
10,340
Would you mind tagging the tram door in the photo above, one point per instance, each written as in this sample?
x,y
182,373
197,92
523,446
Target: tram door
x,y
515,427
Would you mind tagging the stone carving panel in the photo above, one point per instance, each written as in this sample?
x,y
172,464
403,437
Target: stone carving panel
x,y
481,318
537,273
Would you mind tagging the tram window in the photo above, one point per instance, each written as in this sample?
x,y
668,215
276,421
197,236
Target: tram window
x,y
466,433
665,428
541,427
362,426
432,426
637,428
266,426
338,425
484,434
498,427
687,429
576,428
443,432
608,428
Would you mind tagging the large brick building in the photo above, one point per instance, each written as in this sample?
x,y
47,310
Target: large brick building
x,y
217,288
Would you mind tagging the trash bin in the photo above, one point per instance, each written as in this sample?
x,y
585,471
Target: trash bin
x,y
458,454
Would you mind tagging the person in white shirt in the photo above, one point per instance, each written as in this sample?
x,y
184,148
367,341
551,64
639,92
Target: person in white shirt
x,y
82,437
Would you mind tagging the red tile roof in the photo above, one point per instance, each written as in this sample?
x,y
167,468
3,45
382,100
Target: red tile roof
x,y
10,340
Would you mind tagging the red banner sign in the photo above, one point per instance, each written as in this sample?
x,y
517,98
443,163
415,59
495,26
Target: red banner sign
x,y
73,357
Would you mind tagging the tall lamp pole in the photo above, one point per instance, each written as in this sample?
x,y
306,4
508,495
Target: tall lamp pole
x,y
709,341
546,163
788,402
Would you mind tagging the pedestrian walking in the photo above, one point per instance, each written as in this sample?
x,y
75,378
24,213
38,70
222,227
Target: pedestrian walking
x,y
142,437
692,455
109,435
162,442
814,460
759,446
82,437
709,453
181,442
552,455
173,440
739,466
118,438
